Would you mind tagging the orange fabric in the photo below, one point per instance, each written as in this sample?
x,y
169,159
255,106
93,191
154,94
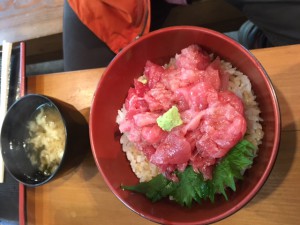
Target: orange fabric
x,y
116,22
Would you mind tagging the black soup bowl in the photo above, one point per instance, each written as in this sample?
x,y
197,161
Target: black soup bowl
x,y
42,138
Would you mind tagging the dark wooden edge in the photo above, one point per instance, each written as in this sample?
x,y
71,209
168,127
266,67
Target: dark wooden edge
x,y
22,210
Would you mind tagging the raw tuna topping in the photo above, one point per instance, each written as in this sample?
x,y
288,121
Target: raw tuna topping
x,y
209,118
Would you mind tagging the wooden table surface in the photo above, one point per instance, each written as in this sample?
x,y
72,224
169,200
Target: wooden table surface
x,y
82,196
24,20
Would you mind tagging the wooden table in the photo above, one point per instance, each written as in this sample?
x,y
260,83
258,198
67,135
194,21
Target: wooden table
x,y
24,20
82,196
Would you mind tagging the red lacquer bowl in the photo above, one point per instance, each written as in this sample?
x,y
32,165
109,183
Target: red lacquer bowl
x,y
159,47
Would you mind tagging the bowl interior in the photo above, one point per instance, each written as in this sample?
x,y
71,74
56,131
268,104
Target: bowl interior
x,y
112,90
13,135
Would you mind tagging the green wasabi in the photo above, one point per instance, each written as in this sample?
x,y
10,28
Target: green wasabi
x,y
169,119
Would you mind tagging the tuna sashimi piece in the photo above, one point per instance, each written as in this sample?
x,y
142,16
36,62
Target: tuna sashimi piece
x,y
212,75
146,118
181,77
227,97
140,88
192,57
171,79
192,123
174,150
134,102
133,132
203,165
159,98
222,127
195,98
190,77
147,149
153,134
153,72
217,76
201,95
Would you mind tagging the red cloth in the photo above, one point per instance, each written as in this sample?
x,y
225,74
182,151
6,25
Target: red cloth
x,y
116,22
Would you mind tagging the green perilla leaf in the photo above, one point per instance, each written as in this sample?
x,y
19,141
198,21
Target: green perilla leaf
x,y
192,186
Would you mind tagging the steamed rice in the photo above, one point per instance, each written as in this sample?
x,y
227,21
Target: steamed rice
x,y
239,84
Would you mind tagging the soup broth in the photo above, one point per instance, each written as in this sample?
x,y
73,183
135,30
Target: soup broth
x,y
46,139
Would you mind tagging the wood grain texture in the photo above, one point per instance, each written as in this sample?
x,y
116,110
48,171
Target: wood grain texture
x,y
283,67
82,196
22,20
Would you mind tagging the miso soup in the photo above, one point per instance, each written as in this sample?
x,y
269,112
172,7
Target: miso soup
x,y
46,139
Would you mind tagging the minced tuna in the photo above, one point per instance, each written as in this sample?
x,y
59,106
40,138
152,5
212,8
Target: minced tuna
x,y
213,116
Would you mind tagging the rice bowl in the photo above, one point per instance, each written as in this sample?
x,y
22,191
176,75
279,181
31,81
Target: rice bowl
x,y
112,90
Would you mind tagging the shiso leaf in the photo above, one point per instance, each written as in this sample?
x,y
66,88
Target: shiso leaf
x,y
188,188
232,166
192,186
155,189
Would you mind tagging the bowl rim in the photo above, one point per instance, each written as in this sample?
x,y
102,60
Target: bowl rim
x,y
275,106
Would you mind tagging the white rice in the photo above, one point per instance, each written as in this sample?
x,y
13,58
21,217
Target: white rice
x,y
240,85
